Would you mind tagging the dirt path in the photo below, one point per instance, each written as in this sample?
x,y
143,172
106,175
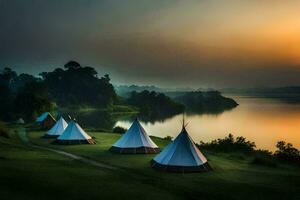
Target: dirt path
x,y
23,136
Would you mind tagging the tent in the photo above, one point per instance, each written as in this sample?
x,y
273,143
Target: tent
x,y
181,155
74,134
46,120
57,129
135,141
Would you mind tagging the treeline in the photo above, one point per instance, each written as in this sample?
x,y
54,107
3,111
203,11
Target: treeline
x,y
229,144
27,96
21,96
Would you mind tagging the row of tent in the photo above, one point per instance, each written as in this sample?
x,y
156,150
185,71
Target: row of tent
x,y
64,133
181,155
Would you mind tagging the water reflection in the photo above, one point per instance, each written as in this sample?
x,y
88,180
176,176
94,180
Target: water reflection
x,y
211,112
104,120
264,121
161,119
151,118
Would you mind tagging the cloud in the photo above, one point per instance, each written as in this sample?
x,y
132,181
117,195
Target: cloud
x,y
195,43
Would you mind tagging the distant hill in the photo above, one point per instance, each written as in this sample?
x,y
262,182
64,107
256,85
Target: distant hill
x,y
289,94
125,90
291,90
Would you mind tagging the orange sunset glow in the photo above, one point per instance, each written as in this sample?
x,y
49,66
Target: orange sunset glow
x,y
198,37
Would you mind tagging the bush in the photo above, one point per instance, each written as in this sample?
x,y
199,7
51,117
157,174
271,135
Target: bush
x,y
264,158
286,151
119,129
229,144
268,162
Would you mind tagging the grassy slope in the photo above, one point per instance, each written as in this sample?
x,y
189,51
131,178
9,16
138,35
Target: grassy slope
x,y
233,178
27,173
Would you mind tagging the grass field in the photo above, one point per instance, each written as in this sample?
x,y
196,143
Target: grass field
x,y
28,173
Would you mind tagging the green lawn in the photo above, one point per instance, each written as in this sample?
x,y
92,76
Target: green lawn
x,y
36,174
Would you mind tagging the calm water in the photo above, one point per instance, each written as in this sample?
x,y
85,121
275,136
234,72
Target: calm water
x,y
264,121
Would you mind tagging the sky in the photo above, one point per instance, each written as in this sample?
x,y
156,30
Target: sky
x,y
171,43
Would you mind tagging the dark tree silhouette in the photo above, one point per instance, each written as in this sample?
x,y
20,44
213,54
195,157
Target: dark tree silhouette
x,y
72,64
22,96
286,151
7,76
31,100
77,85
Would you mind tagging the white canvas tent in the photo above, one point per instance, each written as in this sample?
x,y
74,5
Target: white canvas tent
x,y
74,134
135,140
181,155
57,129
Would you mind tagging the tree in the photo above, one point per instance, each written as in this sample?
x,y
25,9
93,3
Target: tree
x,y
72,64
21,80
6,96
7,76
25,95
286,151
77,85
31,100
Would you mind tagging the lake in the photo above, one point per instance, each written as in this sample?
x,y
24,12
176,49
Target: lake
x,y
264,121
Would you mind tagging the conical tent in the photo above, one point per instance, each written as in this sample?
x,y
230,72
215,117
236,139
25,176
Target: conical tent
x,y
74,134
57,129
42,117
135,140
46,120
181,155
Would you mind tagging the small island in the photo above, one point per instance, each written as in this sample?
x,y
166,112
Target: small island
x,y
206,102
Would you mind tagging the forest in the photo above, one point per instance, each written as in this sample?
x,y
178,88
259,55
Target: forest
x,y
27,96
